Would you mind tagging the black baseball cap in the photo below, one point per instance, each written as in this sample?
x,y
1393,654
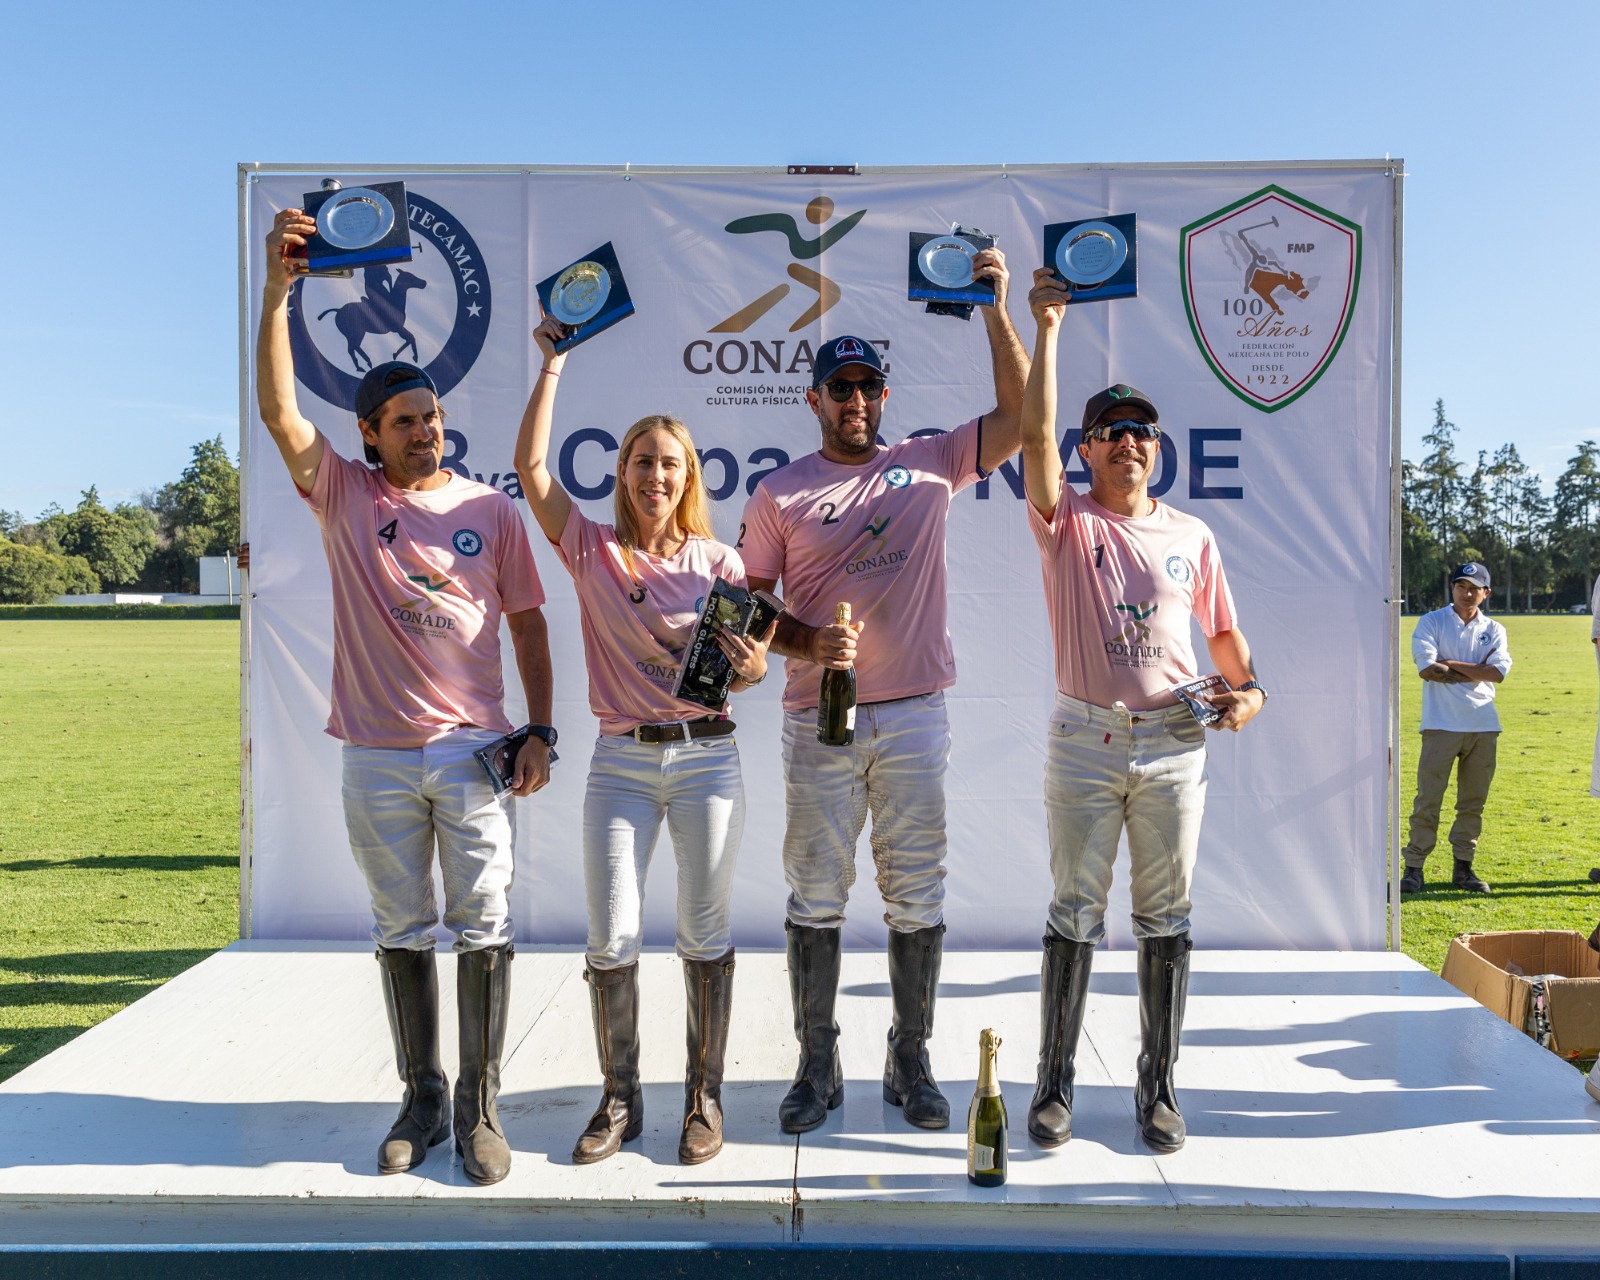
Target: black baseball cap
x,y
1473,572
836,353
385,381
1104,401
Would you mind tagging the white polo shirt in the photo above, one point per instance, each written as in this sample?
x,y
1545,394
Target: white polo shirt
x,y
1442,636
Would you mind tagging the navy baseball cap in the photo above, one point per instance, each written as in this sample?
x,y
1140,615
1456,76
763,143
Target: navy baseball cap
x,y
1473,572
385,381
1104,401
836,353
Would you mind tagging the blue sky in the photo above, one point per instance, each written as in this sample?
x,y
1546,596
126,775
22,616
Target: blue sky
x,y
125,122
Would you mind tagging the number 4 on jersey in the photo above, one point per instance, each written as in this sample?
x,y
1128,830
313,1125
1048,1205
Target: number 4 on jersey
x,y
387,533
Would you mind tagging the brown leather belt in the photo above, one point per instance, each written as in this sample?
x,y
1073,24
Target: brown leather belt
x,y
681,731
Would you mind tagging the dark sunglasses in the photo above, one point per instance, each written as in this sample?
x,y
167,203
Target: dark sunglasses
x,y
841,389
1114,431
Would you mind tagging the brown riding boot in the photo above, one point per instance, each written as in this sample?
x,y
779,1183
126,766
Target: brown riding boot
x,y
709,986
614,1004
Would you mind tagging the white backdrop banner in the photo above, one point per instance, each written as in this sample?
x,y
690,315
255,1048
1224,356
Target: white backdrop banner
x,y
1262,330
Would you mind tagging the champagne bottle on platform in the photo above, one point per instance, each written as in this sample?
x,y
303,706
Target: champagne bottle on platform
x,y
836,705
986,1118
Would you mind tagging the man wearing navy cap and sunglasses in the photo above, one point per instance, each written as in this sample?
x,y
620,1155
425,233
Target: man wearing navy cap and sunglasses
x,y
1123,576
424,566
864,523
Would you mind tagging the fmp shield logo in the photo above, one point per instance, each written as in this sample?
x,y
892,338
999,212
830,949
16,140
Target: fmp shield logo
x,y
1270,283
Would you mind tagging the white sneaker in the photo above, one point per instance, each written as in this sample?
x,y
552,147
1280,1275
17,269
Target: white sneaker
x,y
1592,1082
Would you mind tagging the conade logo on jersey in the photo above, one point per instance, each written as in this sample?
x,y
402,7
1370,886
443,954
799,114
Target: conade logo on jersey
x,y
433,311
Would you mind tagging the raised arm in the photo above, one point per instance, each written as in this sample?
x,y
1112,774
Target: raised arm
x,y
298,441
550,503
1041,455
1002,424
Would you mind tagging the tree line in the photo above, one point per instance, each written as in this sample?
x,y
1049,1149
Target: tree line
x,y
1540,548
154,544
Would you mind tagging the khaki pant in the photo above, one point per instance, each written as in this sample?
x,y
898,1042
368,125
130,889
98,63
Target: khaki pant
x,y
1473,757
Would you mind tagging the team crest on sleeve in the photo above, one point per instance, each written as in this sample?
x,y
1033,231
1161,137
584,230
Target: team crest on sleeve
x,y
897,477
433,311
1178,570
467,541
1270,283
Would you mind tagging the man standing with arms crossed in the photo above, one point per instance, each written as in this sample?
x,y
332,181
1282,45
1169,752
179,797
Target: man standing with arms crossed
x,y
864,523
424,564
1123,574
1461,654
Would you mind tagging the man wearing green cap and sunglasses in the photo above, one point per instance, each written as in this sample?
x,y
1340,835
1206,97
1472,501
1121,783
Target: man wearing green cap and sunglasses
x,y
1123,576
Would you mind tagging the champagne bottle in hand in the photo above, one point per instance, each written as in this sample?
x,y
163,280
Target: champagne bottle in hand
x,y
836,706
986,1118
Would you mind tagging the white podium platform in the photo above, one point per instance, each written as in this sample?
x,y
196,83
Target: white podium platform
x,y
1347,1102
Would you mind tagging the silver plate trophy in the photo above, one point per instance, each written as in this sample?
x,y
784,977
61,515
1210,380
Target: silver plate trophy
x,y
1091,253
355,218
947,262
580,292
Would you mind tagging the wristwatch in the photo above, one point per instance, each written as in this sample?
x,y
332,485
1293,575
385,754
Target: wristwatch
x,y
545,732
1255,684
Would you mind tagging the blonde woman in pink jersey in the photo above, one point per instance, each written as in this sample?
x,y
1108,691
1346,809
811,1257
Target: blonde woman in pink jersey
x,y
641,582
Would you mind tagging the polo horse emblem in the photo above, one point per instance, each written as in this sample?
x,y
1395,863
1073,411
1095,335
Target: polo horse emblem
x,y
1264,274
381,309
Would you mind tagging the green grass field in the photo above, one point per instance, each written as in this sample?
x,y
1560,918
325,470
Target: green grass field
x,y
119,823
119,828
1541,829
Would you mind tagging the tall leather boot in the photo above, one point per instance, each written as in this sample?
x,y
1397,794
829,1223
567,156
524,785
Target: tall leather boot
x,y
813,988
1063,993
913,985
614,1004
709,986
411,994
483,999
1163,990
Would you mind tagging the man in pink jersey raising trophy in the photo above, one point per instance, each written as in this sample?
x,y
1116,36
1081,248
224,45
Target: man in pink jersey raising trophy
x,y
863,523
1123,575
424,564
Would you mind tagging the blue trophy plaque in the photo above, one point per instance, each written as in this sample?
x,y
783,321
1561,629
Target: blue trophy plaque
x,y
357,227
940,270
588,296
1097,257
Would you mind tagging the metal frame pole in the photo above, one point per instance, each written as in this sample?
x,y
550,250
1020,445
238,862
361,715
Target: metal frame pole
x,y
1396,588
246,804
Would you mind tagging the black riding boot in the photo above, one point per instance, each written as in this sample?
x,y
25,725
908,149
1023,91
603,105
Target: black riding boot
x,y
1163,989
1063,993
813,988
483,998
614,1003
913,985
709,986
411,994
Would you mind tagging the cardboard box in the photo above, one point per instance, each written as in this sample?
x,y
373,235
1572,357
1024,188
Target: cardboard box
x,y
1498,971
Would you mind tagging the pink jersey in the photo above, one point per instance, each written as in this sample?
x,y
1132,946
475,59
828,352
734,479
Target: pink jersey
x,y
872,536
1120,591
420,581
635,629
